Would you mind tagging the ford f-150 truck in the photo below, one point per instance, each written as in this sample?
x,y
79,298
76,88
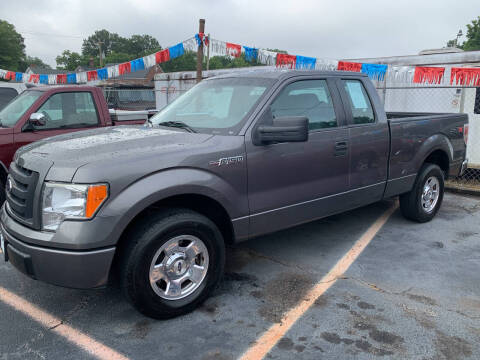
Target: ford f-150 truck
x,y
45,111
235,157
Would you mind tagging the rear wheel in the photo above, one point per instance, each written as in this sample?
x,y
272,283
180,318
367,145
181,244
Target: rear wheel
x,y
424,200
171,262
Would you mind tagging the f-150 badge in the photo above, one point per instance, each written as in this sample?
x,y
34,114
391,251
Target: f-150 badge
x,y
227,160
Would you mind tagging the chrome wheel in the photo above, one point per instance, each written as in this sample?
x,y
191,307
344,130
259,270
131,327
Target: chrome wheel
x,y
430,194
179,267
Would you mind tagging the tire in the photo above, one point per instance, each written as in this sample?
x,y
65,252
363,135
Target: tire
x,y
422,209
2,192
154,238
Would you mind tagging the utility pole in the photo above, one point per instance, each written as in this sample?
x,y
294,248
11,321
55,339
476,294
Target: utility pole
x,y
208,53
201,30
99,44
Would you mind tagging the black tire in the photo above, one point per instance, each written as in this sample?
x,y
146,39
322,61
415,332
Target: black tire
x,y
2,192
140,246
411,203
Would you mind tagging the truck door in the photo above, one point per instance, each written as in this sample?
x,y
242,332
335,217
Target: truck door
x,y
292,183
369,140
64,112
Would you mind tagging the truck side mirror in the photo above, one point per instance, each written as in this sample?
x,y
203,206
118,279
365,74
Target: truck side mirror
x,y
36,120
284,129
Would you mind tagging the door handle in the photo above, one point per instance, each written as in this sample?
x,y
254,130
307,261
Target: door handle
x,y
341,148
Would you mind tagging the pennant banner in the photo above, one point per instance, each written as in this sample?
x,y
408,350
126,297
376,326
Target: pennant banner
x,y
465,76
305,63
429,75
375,71
349,66
401,74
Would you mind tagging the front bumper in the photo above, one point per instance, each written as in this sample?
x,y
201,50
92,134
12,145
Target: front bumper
x,y
74,269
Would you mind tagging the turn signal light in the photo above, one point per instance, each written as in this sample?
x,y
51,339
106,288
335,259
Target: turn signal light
x,y
96,195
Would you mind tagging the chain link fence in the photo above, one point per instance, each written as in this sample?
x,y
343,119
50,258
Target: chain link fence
x,y
437,99
130,99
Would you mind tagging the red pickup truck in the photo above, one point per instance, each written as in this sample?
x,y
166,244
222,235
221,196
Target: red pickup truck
x,y
42,112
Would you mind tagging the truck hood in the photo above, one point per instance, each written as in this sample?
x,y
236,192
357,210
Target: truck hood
x,y
70,151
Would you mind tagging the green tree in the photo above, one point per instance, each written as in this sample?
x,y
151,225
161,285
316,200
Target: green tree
x,y
473,36
141,45
109,41
34,61
12,48
70,60
186,62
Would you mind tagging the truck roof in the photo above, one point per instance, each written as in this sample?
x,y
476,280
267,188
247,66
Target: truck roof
x,y
63,87
285,74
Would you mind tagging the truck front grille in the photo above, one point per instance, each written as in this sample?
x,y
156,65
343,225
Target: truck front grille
x,y
20,191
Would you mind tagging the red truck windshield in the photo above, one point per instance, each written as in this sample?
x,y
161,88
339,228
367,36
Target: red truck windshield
x,y
216,106
14,110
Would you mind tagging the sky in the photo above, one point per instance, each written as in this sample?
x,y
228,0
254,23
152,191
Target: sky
x,y
339,29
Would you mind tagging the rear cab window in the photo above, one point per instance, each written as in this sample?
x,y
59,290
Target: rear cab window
x,y
310,98
359,102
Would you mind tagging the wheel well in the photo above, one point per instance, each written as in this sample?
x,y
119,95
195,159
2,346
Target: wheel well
x,y
440,158
199,203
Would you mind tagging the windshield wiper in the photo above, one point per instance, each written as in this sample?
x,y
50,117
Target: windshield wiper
x,y
177,124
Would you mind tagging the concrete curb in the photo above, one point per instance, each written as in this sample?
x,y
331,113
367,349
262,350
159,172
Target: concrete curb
x,y
462,189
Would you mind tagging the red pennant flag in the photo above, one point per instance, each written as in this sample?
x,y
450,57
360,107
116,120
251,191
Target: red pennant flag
x,y
465,76
61,78
92,75
10,75
162,56
349,66
234,50
124,68
431,75
34,78
286,61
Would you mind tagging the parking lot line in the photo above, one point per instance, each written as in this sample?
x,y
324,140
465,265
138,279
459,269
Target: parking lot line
x,y
53,323
269,339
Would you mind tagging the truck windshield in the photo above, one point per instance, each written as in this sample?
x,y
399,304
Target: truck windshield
x,y
14,110
216,106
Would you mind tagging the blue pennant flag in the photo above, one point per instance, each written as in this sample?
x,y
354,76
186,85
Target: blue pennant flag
x,y
305,63
18,76
102,74
251,54
43,79
72,78
176,51
375,71
137,64
199,41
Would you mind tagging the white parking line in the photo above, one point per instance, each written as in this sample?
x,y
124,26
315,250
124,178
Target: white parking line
x,y
55,324
270,338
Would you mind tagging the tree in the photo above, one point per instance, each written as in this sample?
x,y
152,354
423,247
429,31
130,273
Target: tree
x,y
473,36
109,41
70,60
34,62
12,48
141,45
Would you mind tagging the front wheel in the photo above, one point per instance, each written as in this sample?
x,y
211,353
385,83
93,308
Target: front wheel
x,y
171,262
424,200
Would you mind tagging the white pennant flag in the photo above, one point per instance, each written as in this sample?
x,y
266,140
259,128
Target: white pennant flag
x,y
400,74
190,44
267,57
218,48
326,64
52,79
113,71
82,77
3,73
149,61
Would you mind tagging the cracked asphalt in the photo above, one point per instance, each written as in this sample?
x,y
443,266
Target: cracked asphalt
x,y
414,293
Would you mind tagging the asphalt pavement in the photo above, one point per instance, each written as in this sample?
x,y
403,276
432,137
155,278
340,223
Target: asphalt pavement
x,y
413,293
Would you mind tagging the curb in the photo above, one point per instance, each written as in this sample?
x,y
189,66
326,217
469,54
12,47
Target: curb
x,y
462,189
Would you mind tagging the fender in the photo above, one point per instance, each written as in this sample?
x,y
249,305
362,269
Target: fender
x,y
433,143
138,196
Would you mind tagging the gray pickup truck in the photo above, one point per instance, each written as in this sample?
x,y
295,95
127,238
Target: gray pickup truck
x,y
235,157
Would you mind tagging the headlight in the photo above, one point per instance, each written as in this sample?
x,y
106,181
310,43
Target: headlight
x,y
70,201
